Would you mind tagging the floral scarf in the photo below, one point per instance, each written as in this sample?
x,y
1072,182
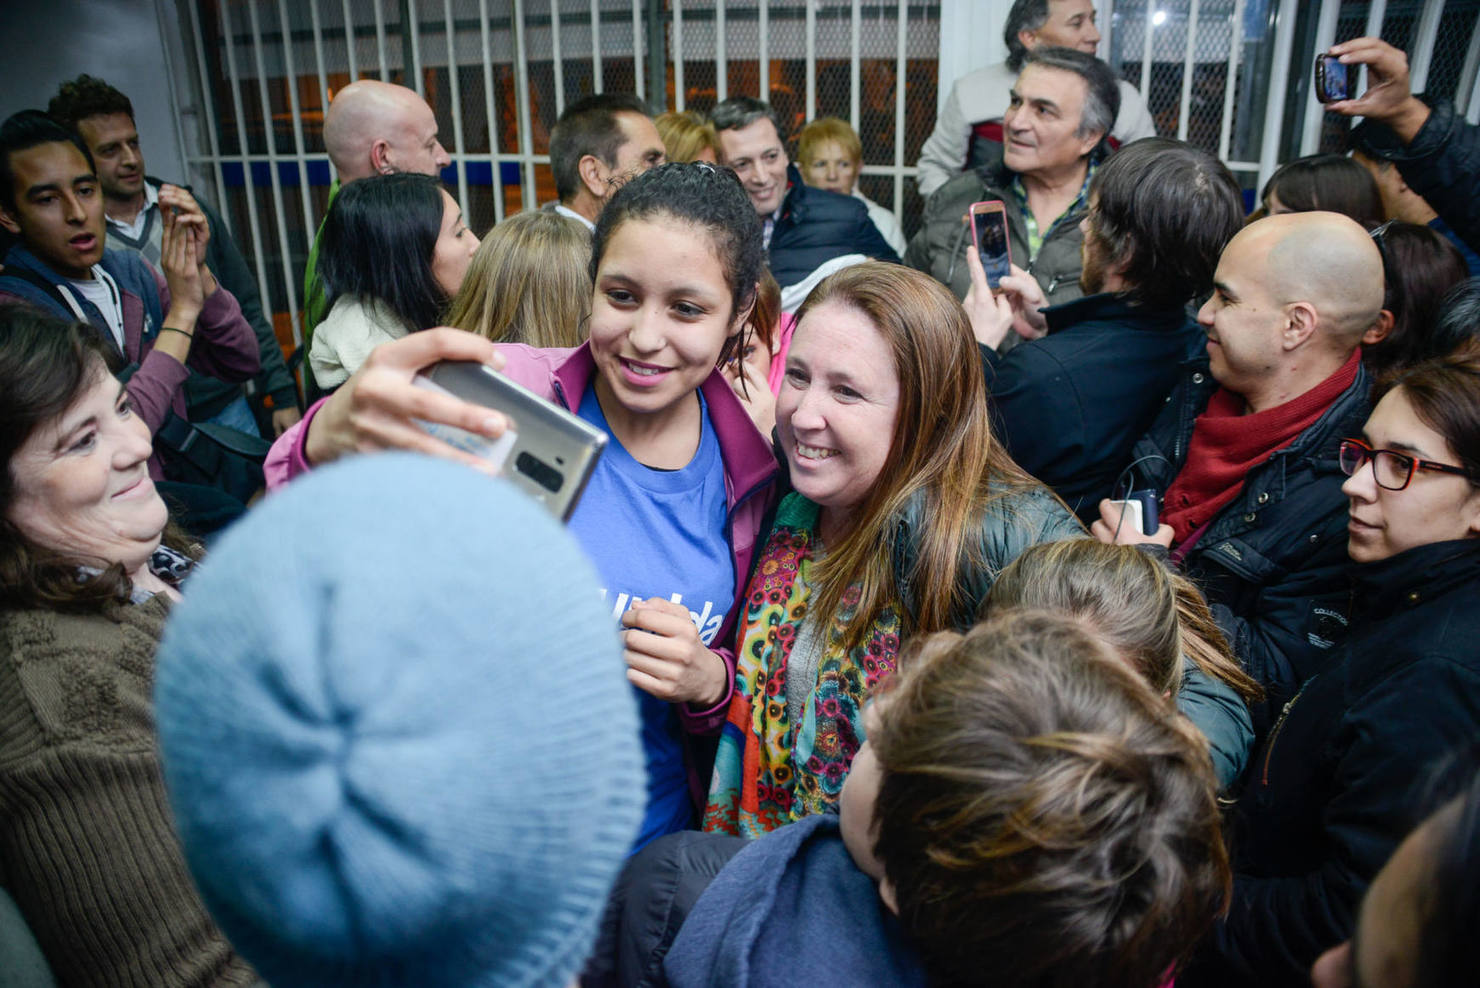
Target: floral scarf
x,y
768,772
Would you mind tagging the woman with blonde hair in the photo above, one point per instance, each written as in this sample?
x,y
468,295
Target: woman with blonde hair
x,y
687,136
905,508
528,283
1155,619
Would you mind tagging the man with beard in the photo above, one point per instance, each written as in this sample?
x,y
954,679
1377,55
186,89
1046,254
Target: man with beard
x,y
1070,406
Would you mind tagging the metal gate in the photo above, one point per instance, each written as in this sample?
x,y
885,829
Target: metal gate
x,y
1229,75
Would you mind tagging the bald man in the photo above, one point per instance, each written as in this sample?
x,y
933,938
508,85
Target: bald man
x,y
1243,455
371,128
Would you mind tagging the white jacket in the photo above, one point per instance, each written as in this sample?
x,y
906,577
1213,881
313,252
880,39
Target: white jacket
x,y
345,337
983,95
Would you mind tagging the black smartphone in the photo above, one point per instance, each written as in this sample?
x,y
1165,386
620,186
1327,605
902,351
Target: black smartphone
x,y
1333,79
553,451
989,231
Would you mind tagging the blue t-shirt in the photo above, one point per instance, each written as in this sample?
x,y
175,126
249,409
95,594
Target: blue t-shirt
x,y
659,533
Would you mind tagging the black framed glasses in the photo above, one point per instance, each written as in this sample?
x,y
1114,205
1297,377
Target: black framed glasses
x,y
1391,469
1392,287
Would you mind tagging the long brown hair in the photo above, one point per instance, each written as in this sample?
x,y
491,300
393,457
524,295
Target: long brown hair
x,y
527,283
942,449
1148,613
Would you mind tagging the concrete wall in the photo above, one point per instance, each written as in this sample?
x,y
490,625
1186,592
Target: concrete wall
x,y
49,41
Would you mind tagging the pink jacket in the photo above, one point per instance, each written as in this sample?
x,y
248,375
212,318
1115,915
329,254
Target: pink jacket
x,y
750,472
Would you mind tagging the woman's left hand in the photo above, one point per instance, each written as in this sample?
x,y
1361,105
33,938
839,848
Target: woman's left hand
x,y
666,658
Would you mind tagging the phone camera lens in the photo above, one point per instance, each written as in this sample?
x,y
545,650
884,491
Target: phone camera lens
x,y
540,472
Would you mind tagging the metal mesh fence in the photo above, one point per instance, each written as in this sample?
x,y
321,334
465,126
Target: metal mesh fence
x,y
497,74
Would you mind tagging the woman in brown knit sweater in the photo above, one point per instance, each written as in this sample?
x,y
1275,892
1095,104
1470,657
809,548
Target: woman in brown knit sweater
x,y
87,575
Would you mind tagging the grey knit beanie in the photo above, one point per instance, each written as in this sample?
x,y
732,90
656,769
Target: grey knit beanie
x,y
397,734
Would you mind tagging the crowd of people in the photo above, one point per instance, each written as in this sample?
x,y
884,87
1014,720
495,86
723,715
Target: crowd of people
x,y
854,663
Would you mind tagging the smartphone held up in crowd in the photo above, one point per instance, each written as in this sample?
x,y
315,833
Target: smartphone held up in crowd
x,y
989,233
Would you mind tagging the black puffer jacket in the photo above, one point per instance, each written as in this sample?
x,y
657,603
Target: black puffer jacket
x,y
1339,782
816,226
1442,164
1070,406
1272,562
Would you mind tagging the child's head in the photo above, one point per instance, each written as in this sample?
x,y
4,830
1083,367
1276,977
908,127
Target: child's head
x,y
1042,816
528,283
1126,595
1150,615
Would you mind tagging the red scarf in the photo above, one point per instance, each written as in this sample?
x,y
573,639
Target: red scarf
x,y
1226,444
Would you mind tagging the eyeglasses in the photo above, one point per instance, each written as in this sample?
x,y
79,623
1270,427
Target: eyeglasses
x,y
1392,286
1391,469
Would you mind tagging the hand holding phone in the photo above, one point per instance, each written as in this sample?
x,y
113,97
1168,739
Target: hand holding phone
x,y
553,451
989,233
1139,511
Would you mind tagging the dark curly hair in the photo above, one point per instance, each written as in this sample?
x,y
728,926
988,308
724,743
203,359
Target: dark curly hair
x,y
706,196
1043,815
379,238
87,96
45,365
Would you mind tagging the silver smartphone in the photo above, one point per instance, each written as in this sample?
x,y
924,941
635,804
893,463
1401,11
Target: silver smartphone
x,y
547,452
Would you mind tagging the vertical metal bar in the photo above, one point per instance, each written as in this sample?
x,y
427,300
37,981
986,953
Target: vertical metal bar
x,y
521,100
596,46
637,71
286,257
1464,97
901,78
764,55
493,144
556,58
1376,12
1274,104
454,89
385,65
248,184
1421,50
300,149
169,78
657,80
810,36
413,42
349,41
1473,113
1310,134
1230,81
676,49
1147,42
721,55
1105,21
1188,63
855,67
207,101
318,57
